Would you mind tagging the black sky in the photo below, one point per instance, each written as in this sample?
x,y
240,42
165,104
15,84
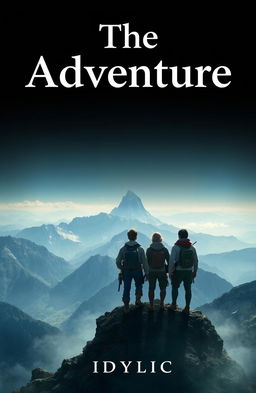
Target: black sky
x,y
88,126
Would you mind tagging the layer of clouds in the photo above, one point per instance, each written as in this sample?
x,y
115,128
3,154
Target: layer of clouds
x,y
50,351
244,355
38,205
215,220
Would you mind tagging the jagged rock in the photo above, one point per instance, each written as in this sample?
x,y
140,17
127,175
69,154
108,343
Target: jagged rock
x,y
38,373
199,363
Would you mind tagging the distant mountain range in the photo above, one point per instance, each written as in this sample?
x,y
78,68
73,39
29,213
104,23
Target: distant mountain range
x,y
45,286
35,259
27,271
238,266
207,287
58,241
84,282
111,248
234,315
83,234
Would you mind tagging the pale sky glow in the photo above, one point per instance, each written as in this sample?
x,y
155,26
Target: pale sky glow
x,y
88,208
206,226
41,206
183,208
214,219
48,206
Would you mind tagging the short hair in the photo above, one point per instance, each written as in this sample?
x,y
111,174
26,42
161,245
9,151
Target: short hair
x,y
183,234
157,237
132,234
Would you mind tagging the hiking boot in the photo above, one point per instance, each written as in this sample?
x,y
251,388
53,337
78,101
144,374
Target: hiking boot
x,y
186,310
126,304
173,307
151,300
138,297
138,302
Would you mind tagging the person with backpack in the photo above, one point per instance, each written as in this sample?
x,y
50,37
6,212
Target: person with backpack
x,y
183,267
158,259
131,260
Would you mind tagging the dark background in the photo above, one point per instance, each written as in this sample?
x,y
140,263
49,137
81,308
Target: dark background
x,y
104,120
184,39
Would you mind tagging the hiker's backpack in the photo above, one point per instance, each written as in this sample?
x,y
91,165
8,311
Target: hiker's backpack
x,y
156,259
131,257
186,258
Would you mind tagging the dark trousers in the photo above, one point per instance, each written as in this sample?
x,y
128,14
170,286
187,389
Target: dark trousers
x,y
178,277
128,276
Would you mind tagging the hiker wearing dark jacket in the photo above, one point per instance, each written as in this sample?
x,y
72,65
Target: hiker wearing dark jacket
x,y
183,267
158,258
131,260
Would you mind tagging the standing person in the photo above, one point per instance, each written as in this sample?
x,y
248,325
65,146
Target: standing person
x,y
182,268
131,260
158,258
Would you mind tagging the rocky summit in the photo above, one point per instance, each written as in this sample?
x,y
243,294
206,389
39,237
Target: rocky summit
x,y
155,350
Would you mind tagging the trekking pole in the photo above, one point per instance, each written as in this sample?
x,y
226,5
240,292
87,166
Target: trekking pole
x,y
120,280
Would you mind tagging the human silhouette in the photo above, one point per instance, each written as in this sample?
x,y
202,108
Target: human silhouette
x,y
183,267
131,260
158,259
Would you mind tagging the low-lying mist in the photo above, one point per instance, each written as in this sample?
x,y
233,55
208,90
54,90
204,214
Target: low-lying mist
x,y
237,348
50,352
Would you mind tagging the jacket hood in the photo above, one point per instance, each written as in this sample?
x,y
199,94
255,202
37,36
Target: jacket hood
x,y
131,243
183,242
156,245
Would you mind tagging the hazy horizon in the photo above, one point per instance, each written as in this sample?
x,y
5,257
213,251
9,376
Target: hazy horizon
x,y
217,219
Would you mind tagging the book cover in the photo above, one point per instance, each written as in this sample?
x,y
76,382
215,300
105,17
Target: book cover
x,y
113,121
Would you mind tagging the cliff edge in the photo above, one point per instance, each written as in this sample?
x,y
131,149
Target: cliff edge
x,y
167,350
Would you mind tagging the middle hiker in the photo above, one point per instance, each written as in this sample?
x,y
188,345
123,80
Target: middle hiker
x,y
131,260
157,255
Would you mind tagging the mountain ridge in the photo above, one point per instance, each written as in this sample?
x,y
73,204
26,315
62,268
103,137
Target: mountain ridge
x,y
208,286
238,265
83,233
36,259
131,206
27,272
83,282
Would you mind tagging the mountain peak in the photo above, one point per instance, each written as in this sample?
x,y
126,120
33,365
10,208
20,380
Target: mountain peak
x,y
131,207
131,199
131,194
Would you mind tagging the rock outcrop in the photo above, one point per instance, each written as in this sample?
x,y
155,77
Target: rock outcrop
x,y
190,343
